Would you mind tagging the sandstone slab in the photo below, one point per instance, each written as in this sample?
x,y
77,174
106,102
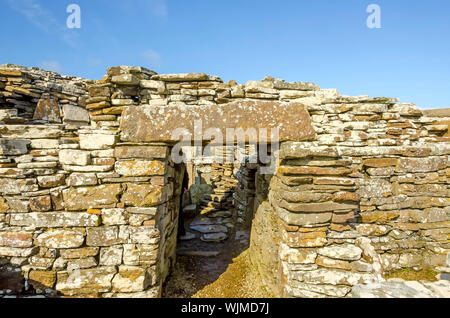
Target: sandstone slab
x,y
146,124
345,252
81,179
74,114
54,219
131,279
97,141
136,168
91,197
390,289
74,157
47,109
14,147
141,152
16,239
422,164
42,279
85,281
102,236
143,195
62,238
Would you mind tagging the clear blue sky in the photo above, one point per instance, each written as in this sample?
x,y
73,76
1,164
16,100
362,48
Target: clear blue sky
x,y
321,41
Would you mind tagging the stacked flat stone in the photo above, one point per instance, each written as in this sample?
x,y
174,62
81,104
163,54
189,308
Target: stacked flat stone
x,y
245,167
370,195
216,218
89,204
119,89
24,90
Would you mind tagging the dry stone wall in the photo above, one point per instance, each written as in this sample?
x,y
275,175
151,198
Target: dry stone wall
x,y
88,209
370,195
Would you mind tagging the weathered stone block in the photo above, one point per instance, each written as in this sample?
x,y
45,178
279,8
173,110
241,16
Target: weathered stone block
x,y
297,256
141,152
313,171
81,263
130,254
144,235
114,216
86,281
18,252
144,195
47,109
346,197
381,162
304,219
125,79
336,277
100,90
136,168
51,181
293,150
343,218
10,73
159,86
102,236
18,205
316,207
131,279
111,255
422,164
182,77
91,197
13,186
97,141
81,179
309,239
82,252
145,124
14,147
42,279
29,131
54,219
16,239
44,144
375,188
74,114
332,263
61,238
41,204
346,252
74,157
302,290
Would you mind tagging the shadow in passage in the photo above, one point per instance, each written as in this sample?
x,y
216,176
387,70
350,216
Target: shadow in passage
x,y
14,285
217,269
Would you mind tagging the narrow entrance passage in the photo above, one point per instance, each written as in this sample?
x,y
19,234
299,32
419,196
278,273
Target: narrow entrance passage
x,y
212,256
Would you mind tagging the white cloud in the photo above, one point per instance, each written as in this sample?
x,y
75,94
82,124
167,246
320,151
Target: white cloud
x,y
152,57
53,66
42,18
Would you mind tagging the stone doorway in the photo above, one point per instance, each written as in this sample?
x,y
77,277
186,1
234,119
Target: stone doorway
x,y
217,220
221,240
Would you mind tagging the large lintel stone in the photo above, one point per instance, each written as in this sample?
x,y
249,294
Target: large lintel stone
x,y
157,123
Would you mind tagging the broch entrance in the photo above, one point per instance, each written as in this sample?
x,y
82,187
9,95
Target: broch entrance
x,y
90,189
